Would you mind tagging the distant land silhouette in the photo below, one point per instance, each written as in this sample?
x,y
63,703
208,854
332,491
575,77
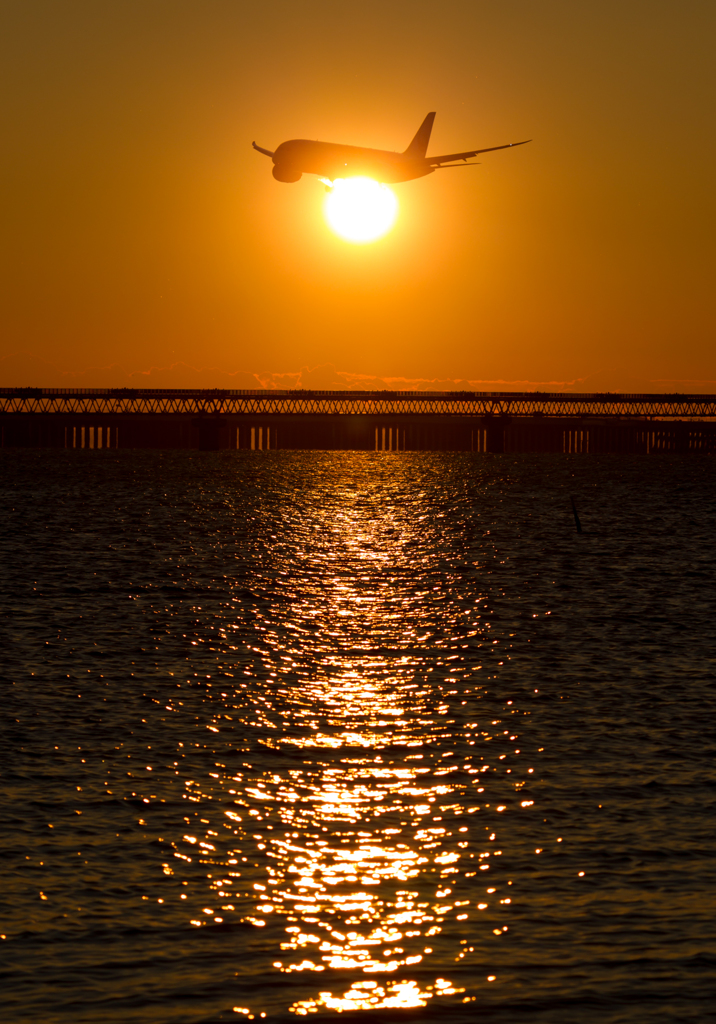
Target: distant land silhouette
x,y
26,370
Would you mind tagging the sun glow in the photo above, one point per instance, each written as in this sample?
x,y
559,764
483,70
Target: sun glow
x,y
360,209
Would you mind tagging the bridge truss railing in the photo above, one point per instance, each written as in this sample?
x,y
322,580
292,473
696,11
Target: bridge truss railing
x,y
125,401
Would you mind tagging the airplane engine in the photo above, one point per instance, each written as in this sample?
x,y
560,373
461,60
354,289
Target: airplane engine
x,y
284,172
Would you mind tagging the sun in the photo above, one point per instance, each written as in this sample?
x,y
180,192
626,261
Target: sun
x,y
360,209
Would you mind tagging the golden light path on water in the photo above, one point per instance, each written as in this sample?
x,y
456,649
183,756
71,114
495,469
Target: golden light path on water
x,y
361,823
274,717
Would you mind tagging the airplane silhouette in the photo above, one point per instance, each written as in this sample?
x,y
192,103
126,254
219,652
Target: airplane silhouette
x,y
332,160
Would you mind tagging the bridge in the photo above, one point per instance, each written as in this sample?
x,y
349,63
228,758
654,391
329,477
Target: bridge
x,y
126,401
356,420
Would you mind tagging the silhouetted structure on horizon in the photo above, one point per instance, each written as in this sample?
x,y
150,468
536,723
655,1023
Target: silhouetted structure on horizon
x,y
210,420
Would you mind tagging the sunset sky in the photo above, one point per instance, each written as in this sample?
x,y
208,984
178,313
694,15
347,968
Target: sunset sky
x,y
146,243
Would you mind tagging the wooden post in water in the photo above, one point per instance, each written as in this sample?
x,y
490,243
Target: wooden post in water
x,y
576,517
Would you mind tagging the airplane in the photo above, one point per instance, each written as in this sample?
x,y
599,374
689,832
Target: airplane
x,y
331,160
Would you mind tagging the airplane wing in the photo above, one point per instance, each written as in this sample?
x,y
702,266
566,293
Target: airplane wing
x,y
266,152
437,161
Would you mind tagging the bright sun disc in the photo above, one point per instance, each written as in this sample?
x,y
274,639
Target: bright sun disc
x,y
360,209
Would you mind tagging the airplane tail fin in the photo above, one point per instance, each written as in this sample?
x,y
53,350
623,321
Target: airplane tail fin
x,y
419,146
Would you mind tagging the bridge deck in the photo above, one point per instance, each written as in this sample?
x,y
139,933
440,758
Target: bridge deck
x,y
124,401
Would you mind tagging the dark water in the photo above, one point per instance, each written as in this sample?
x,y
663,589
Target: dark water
x,y
294,733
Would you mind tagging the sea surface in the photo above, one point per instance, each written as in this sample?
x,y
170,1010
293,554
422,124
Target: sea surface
x,y
293,734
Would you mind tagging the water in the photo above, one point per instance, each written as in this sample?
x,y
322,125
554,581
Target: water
x,y
298,733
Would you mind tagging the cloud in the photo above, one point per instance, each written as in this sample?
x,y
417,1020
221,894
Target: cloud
x,y
21,370
26,370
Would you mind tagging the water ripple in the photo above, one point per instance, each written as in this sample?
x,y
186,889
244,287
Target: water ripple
x,y
291,734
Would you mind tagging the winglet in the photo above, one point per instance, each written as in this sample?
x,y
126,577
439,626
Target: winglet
x,y
266,152
419,146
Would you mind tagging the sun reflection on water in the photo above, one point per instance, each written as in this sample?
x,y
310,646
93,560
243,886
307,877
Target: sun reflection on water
x,y
369,995
357,831
369,842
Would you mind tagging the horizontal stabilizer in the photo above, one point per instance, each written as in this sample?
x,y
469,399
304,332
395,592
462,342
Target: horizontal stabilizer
x,y
436,161
266,152
465,163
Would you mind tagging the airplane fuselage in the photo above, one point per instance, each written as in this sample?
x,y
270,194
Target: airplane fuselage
x,y
332,160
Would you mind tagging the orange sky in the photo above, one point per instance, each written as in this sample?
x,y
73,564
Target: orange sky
x,y
145,242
